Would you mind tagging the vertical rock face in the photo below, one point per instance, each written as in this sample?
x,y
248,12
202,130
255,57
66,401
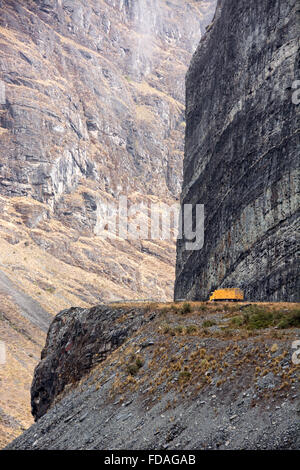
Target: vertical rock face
x,y
91,107
90,87
242,153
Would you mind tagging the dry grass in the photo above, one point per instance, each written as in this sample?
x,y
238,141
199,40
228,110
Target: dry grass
x,y
145,89
178,362
118,269
23,345
144,113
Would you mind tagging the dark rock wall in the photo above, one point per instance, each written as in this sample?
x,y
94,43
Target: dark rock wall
x,y
77,340
242,153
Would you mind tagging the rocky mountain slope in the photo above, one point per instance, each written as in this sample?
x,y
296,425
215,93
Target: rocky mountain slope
x,y
168,376
23,341
242,154
91,107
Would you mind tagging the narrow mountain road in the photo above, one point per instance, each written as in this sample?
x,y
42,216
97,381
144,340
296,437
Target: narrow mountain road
x,y
29,307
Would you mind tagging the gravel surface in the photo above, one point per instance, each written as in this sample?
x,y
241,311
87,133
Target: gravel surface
x,y
83,420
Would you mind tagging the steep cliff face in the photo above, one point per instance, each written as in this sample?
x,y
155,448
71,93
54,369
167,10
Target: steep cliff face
x,y
86,83
91,107
242,153
77,340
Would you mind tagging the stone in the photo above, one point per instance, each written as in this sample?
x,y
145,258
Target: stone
x,y
242,154
77,340
91,107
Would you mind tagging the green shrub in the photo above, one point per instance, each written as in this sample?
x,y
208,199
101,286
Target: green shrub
x,y
178,329
208,323
260,320
290,320
202,308
186,308
191,329
135,365
132,369
237,321
257,317
184,376
139,361
166,328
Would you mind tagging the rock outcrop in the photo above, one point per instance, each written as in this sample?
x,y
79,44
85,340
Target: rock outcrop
x,y
77,340
242,153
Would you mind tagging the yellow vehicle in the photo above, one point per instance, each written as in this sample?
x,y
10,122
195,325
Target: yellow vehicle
x,y
232,294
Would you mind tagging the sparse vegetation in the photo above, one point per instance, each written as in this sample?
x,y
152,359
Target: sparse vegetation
x,y
186,308
208,323
256,317
180,364
184,376
178,329
51,290
202,308
290,320
136,362
190,329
